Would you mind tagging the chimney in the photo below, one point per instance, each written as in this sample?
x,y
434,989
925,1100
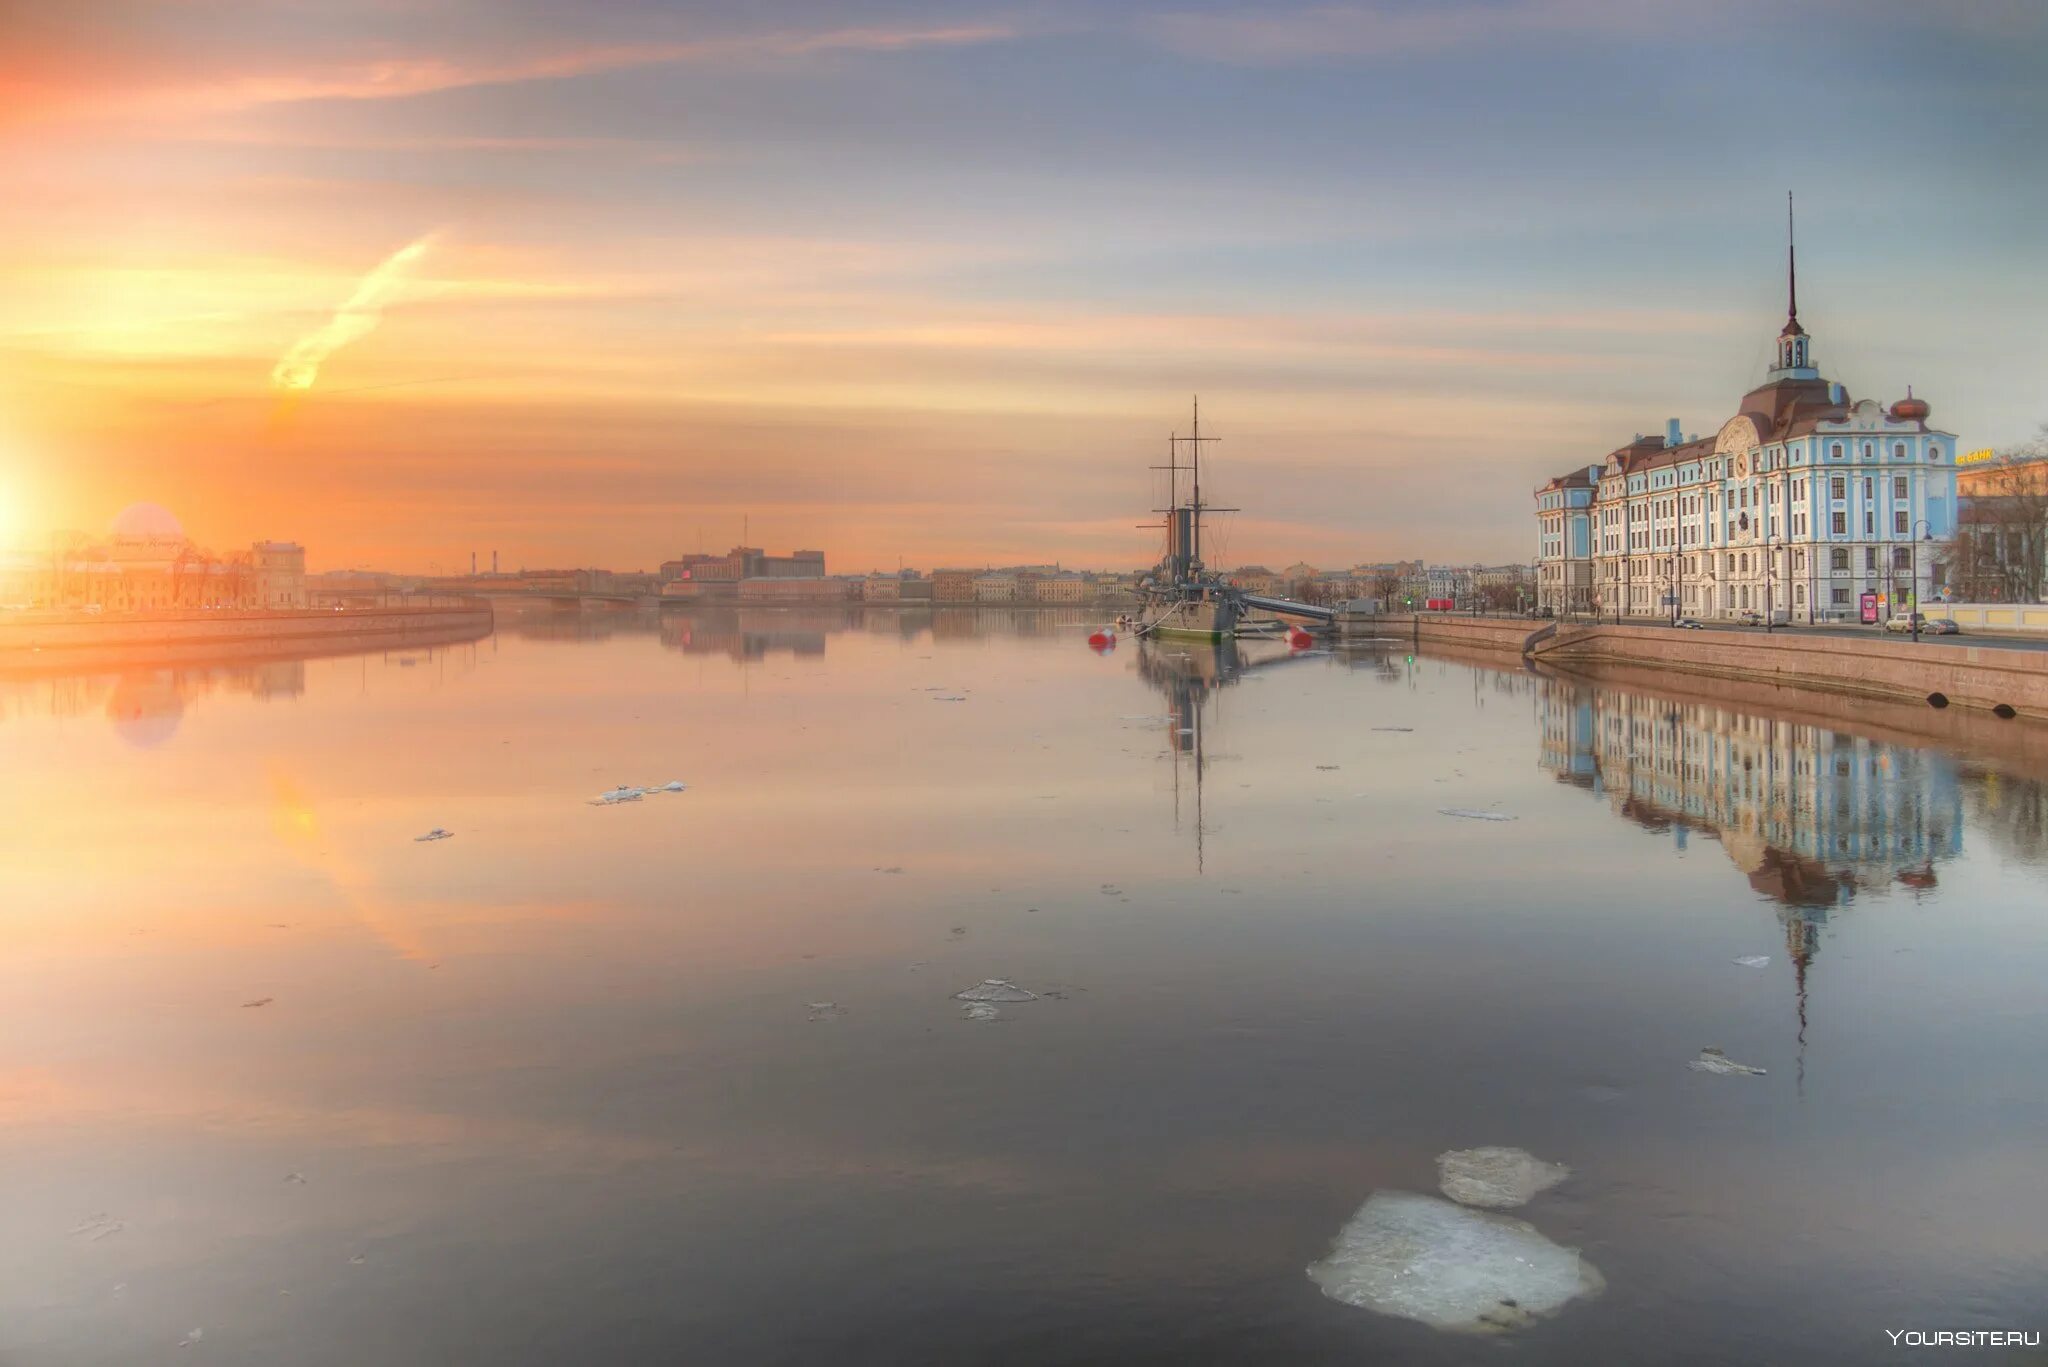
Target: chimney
x,y
1671,433
494,562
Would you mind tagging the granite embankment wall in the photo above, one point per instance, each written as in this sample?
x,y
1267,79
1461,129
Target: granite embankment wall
x,y
37,636
1991,678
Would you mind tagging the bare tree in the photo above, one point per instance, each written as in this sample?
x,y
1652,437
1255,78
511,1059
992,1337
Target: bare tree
x,y
1385,584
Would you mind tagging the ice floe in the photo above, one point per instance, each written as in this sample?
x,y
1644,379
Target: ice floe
x,y
1496,1177
1755,961
1714,1061
980,1011
1393,728
995,990
1450,1267
436,834
825,1011
1470,815
627,792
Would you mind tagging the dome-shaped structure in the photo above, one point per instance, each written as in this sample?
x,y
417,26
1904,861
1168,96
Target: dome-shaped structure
x,y
1910,409
148,522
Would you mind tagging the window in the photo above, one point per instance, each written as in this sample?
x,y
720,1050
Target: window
x,y
1799,560
1868,451
1902,557
1799,594
1869,522
1899,487
1838,487
1868,486
1870,557
1840,597
1835,451
1933,452
1841,524
1899,522
1838,558
1898,450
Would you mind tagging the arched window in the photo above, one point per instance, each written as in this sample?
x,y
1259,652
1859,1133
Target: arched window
x,y
1835,451
1934,452
1898,450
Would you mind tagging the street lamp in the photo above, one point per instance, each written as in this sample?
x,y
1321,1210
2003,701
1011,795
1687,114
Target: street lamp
x,y
1770,569
1928,536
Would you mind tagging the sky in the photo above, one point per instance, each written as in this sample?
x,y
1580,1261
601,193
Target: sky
x,y
932,283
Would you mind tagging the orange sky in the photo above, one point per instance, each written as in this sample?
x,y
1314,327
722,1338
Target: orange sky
x,y
914,281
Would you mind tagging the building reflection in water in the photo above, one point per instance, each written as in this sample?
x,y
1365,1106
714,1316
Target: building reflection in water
x,y
145,703
1812,816
145,706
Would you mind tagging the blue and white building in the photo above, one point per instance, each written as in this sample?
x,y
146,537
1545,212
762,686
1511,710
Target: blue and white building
x,y
1806,505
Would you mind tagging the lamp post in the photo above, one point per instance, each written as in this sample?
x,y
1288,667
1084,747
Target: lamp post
x,y
1926,536
1770,571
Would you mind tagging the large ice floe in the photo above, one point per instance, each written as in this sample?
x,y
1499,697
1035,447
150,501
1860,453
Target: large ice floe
x,y
995,990
1469,1271
1496,1177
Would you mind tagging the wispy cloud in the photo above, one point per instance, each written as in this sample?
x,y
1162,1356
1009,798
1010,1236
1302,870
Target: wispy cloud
x,y
1325,32
354,320
406,77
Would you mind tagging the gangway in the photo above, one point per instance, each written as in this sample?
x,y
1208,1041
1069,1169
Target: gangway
x,y
1288,606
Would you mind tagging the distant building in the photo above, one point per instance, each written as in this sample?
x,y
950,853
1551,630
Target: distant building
x,y
785,589
146,563
1063,588
995,588
953,586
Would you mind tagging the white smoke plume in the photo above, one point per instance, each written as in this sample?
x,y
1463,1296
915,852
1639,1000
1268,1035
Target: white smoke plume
x,y
355,319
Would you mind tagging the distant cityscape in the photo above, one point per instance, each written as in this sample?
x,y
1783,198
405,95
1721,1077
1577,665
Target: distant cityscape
x,y
146,563
751,574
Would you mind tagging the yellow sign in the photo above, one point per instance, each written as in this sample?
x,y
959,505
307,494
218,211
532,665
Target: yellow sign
x,y
1976,457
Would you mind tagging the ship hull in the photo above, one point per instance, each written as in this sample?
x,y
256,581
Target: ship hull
x,y
1194,619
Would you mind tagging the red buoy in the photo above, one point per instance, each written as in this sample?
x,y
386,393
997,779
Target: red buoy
x,y
1300,639
1103,640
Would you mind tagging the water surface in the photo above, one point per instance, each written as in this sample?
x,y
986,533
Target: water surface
x,y
556,1089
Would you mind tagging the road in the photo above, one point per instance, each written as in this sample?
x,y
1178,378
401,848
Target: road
x,y
1863,632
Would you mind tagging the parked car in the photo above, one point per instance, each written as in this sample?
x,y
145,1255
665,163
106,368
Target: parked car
x,y
1929,626
1751,619
1689,624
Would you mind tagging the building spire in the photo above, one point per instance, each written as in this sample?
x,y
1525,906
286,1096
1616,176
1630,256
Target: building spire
x,y
1795,358
1791,271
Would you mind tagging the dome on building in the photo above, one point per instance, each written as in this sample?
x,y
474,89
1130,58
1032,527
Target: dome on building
x,y
1910,409
148,522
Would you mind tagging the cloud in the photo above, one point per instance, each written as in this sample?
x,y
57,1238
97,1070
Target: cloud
x,y
1327,32
354,320
405,77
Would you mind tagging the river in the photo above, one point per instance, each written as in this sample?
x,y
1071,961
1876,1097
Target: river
x,y
683,1078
